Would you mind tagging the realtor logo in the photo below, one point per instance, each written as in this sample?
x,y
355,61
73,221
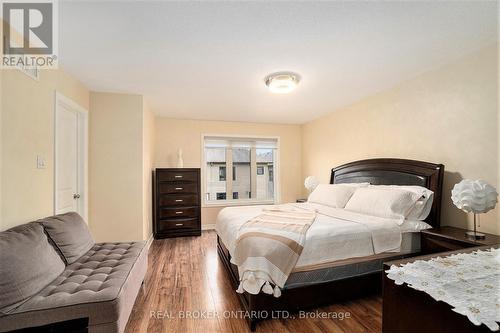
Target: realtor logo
x,y
33,23
29,34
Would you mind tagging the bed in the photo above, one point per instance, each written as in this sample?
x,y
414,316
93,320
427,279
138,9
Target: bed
x,y
339,276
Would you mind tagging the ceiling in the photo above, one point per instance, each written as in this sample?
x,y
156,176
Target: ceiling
x,y
208,60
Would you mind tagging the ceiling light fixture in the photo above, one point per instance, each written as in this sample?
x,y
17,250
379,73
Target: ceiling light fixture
x,y
282,82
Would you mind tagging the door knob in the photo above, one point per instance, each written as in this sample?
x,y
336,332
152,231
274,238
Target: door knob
x,y
76,196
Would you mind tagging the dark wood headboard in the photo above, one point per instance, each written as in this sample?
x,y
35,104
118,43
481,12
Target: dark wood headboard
x,y
393,171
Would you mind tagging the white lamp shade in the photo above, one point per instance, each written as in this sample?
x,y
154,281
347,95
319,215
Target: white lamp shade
x,y
474,196
311,183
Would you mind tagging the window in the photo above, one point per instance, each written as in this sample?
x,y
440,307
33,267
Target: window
x,y
222,173
265,162
215,172
242,167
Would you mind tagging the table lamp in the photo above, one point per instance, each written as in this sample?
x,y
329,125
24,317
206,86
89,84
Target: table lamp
x,y
474,196
310,183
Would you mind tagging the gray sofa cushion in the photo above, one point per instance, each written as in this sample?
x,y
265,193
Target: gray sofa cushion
x,y
28,263
101,285
70,234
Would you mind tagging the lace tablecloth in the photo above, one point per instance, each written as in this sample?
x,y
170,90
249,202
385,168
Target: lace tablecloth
x,y
469,282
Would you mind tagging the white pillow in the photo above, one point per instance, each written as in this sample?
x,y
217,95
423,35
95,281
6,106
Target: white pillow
x,y
422,208
414,226
383,202
333,195
423,205
412,188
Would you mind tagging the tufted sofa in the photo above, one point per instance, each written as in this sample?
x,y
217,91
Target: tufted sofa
x,y
52,272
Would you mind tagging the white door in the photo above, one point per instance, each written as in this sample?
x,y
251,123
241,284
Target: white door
x,y
69,157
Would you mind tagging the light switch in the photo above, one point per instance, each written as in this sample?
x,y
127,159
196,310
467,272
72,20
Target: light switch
x,y
40,162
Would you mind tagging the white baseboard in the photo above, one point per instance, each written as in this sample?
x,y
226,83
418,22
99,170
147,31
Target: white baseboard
x,y
150,241
208,227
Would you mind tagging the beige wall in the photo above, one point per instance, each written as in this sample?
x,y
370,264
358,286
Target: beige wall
x,y
1,138
172,134
116,166
449,116
148,156
27,130
120,154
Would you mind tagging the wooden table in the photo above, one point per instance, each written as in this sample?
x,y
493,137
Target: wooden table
x,y
411,311
450,238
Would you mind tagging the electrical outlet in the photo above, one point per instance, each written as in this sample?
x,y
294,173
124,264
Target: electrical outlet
x,y
40,162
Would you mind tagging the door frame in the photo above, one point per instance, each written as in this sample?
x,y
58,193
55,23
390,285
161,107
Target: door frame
x,y
82,153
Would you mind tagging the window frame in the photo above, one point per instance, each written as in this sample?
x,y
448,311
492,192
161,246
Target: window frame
x,y
241,202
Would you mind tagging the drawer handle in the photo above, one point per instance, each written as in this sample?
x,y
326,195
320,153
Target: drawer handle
x,y
179,200
179,188
178,212
179,224
178,176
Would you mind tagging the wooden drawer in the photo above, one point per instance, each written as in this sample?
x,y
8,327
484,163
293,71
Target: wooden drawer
x,y
177,200
435,245
176,176
170,188
178,212
178,224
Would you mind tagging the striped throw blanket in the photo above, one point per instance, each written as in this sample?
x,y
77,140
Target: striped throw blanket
x,y
268,247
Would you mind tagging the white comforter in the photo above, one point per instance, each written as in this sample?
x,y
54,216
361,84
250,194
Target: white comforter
x,y
335,235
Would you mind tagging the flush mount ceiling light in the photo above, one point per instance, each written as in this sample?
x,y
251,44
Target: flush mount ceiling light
x,y
282,82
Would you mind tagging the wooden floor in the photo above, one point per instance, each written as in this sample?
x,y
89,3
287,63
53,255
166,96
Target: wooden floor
x,y
186,276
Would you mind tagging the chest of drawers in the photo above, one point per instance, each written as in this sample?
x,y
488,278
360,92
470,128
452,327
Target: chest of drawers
x,y
176,202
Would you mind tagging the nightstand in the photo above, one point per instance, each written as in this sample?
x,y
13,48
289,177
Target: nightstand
x,y
450,239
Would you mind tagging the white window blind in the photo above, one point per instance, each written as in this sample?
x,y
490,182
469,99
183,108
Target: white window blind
x,y
229,142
